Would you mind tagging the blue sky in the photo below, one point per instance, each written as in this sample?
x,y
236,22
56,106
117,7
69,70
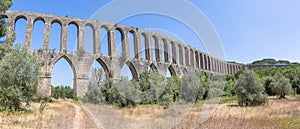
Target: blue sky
x,y
249,30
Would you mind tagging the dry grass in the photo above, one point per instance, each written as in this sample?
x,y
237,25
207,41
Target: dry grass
x,y
59,114
281,114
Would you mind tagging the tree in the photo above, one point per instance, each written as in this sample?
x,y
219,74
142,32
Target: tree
x,y
4,5
250,90
19,79
281,86
191,88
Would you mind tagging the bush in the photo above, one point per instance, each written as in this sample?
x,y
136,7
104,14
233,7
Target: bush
x,y
191,88
281,86
19,79
250,90
62,92
217,87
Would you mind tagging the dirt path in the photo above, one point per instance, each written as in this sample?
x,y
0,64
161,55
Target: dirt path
x,y
78,118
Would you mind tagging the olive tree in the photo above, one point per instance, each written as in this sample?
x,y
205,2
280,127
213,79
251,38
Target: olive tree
x,y
250,90
19,79
281,86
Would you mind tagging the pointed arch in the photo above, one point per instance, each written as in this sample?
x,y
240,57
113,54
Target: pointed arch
x,y
73,31
120,42
172,70
104,66
133,70
71,65
133,45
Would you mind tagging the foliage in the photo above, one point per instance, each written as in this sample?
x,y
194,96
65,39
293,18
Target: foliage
x,y
19,79
206,84
229,89
281,86
62,92
250,90
217,86
4,5
268,84
191,88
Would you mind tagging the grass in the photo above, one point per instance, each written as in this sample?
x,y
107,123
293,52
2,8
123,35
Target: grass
x,y
278,113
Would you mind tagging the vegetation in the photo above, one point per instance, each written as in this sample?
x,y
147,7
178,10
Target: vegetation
x,y
250,90
280,85
19,78
62,92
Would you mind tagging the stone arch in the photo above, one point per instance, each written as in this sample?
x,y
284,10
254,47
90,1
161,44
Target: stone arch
x,y
180,55
192,58
38,18
186,52
75,23
66,58
104,41
173,52
105,68
135,45
164,53
197,59
145,48
70,47
20,37
133,70
152,67
122,42
56,21
35,43
89,39
155,48
20,17
5,19
57,45
172,70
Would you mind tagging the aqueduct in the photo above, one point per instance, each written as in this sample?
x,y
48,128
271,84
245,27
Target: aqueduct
x,y
169,54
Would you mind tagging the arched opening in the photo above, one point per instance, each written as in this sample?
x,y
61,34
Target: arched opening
x,y
120,44
171,53
72,37
154,50
129,71
174,50
180,55
20,30
144,43
152,68
63,77
170,72
186,56
163,54
101,72
38,35
197,59
55,36
104,47
133,46
88,39
3,22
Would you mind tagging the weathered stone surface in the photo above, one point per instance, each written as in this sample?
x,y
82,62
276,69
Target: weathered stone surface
x,y
181,60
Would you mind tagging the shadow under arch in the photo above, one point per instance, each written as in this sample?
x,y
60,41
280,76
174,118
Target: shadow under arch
x,y
132,70
66,58
172,70
104,66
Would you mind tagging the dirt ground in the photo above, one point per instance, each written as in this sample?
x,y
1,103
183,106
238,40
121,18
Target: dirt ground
x,y
66,114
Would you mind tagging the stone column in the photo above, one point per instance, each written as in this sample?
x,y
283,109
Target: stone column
x,y
28,37
112,43
80,45
64,38
126,45
138,46
97,41
174,53
181,54
187,57
47,35
10,27
158,49
167,51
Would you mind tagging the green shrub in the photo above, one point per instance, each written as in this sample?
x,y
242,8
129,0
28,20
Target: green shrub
x,y
250,90
281,86
19,79
191,88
